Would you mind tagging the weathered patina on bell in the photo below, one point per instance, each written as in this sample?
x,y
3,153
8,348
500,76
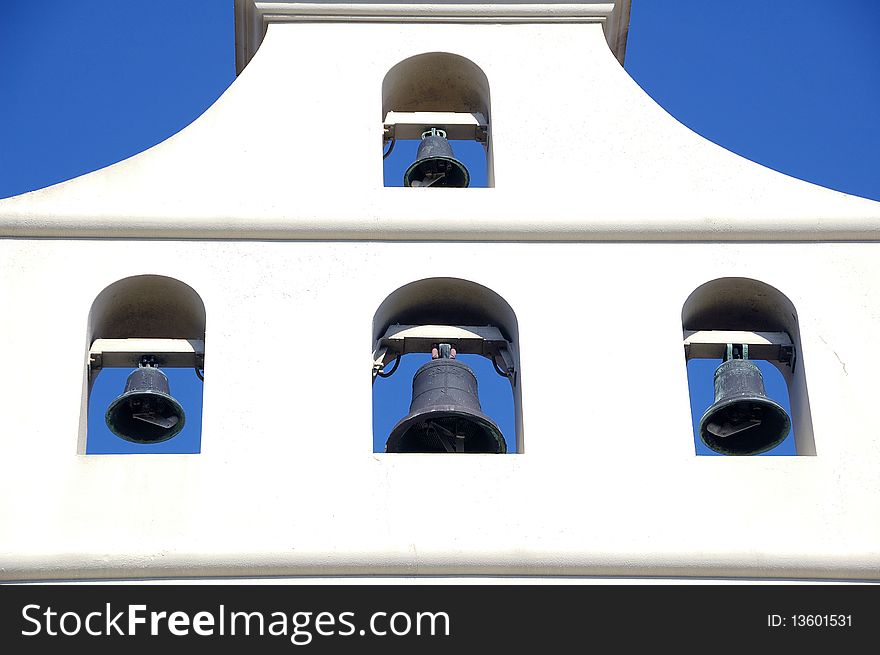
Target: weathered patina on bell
x,y
742,420
146,412
445,415
435,164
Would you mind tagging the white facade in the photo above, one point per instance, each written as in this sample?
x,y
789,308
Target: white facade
x,y
605,215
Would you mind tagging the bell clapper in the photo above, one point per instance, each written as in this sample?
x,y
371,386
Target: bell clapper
x,y
459,440
452,442
433,180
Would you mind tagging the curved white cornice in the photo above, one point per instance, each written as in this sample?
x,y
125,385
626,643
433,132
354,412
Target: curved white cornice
x,y
253,17
489,218
579,153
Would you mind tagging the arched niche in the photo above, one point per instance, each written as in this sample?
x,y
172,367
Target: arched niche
x,y
446,300
454,301
738,303
140,307
147,306
748,305
446,91
436,81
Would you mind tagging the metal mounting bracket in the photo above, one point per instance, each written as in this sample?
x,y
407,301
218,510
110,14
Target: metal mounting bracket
x,y
711,344
457,125
487,341
127,353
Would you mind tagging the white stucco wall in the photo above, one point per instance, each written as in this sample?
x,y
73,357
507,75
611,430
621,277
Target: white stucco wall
x,y
605,216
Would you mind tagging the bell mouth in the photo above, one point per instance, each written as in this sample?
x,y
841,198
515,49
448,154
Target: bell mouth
x,y
435,431
744,426
145,417
455,174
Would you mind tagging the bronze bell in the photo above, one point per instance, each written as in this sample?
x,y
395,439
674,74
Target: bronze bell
x,y
742,420
146,412
435,164
445,414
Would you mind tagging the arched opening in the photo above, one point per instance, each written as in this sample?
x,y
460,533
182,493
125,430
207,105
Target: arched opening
x,y
742,342
143,379
479,329
436,123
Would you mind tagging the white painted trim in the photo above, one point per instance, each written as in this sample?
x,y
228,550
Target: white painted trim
x,y
539,228
252,17
426,12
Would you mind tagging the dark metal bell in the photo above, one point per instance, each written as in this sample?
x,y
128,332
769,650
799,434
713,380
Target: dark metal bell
x,y
145,412
742,420
445,414
435,164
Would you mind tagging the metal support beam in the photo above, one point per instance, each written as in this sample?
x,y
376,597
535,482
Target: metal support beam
x,y
711,344
457,125
401,340
126,353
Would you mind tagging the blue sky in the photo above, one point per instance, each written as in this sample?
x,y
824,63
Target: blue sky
x,y
788,84
791,84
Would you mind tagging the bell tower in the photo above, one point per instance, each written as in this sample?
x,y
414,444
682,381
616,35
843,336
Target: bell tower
x,y
605,247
